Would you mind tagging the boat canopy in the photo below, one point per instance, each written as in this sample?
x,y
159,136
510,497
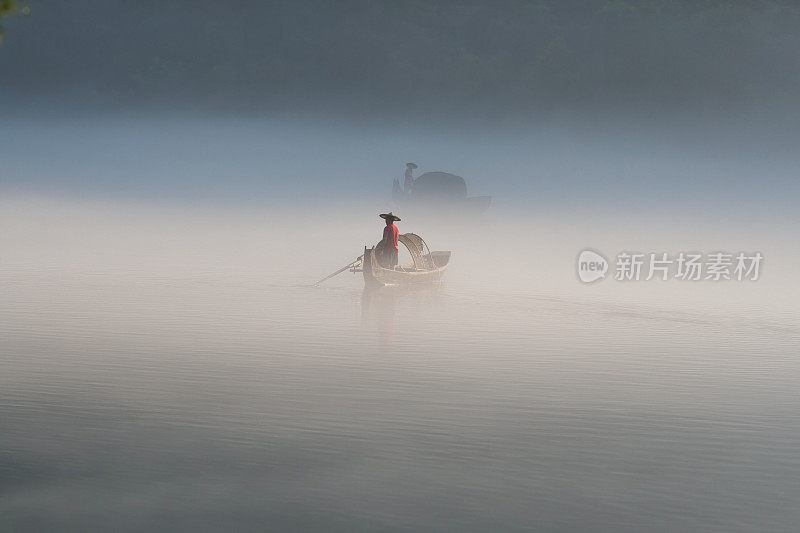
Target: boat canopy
x,y
439,186
416,247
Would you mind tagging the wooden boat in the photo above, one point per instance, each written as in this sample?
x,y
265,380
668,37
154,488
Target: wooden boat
x,y
424,267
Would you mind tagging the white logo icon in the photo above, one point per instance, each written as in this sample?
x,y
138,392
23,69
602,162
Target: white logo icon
x,y
591,266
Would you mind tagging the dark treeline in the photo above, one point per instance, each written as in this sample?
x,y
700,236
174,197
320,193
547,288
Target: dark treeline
x,y
488,58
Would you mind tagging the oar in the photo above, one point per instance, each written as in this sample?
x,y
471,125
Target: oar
x,y
340,270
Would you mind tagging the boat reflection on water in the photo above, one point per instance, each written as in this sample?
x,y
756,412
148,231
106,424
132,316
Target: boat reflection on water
x,y
394,308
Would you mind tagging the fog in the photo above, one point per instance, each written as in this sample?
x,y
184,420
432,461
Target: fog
x,y
209,157
306,195
175,176
167,366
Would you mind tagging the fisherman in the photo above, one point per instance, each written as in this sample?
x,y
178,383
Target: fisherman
x,y
409,182
388,246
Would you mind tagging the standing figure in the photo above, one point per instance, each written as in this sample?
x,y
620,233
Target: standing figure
x,y
388,246
409,181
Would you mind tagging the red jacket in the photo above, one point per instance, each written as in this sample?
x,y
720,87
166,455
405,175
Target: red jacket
x,y
390,236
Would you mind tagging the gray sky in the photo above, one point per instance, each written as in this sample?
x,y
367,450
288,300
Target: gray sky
x,y
541,102
523,61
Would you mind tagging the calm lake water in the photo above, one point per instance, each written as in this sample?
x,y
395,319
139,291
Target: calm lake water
x,y
150,381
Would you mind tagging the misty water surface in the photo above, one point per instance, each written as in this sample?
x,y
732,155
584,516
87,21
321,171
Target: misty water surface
x,y
164,368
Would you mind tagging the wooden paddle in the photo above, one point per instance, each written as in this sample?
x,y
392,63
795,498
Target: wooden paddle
x,y
339,271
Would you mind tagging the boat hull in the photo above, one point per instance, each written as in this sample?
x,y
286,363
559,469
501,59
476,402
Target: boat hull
x,y
376,275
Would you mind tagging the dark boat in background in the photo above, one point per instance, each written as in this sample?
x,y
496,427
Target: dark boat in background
x,y
440,190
